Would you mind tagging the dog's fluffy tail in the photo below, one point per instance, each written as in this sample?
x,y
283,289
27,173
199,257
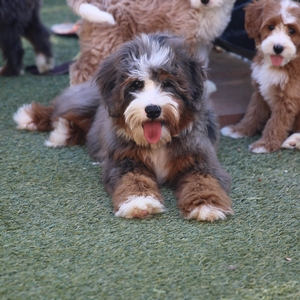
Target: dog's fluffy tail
x,y
34,116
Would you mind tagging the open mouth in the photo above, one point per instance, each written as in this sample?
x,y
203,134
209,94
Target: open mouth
x,y
276,60
152,131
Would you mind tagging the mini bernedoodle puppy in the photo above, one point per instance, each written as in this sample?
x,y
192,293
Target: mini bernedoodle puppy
x,y
145,117
20,18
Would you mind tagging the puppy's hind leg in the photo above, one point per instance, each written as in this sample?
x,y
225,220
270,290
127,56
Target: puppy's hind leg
x,y
255,118
73,115
12,52
39,36
293,141
69,116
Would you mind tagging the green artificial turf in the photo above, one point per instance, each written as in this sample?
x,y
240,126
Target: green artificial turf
x,y
60,239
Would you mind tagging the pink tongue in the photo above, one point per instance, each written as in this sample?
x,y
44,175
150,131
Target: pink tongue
x,y
152,132
276,60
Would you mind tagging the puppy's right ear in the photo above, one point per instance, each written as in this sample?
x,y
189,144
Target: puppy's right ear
x,y
254,18
107,80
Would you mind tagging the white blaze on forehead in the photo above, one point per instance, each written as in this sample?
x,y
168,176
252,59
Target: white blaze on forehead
x,y
286,6
157,56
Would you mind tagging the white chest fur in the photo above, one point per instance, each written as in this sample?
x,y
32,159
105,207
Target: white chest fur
x,y
269,77
159,158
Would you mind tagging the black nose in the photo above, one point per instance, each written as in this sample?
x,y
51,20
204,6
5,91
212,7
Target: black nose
x,y
278,49
153,111
204,1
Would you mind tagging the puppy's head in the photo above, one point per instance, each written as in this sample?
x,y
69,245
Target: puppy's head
x,y
275,26
152,88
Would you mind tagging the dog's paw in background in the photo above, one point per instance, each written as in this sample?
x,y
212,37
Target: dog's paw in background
x,y
265,146
228,131
210,87
44,64
6,71
140,207
258,149
292,142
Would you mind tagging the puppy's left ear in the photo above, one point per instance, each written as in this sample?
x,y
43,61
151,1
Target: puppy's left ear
x,y
197,79
254,18
107,79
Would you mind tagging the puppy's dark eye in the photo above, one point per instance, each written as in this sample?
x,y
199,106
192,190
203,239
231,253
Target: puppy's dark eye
x,y
292,31
271,27
167,83
136,85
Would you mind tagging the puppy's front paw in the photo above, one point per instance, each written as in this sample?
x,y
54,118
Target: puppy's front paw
x,y
292,142
139,207
228,131
258,149
208,213
262,146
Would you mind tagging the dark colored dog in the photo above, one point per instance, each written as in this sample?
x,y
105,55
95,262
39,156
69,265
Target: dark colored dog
x,y
146,118
21,18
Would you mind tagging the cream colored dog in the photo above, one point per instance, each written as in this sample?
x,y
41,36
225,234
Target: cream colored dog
x,y
107,24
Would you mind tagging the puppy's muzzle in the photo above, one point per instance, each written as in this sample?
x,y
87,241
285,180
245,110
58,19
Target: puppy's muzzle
x,y
153,111
204,1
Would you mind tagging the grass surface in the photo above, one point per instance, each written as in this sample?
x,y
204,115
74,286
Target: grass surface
x,y
60,240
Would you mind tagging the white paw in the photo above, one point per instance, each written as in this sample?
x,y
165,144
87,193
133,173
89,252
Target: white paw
x,y
208,213
58,137
139,207
43,63
292,142
23,118
210,87
258,150
227,131
93,14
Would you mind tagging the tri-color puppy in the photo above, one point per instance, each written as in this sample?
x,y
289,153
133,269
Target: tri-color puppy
x,y
145,117
274,108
